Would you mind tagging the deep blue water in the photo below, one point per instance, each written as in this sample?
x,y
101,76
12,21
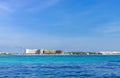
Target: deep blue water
x,y
94,66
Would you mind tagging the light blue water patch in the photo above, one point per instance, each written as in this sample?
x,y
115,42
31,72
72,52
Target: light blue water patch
x,y
58,59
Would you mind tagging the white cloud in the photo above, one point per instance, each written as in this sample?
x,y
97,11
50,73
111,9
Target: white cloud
x,y
110,28
8,6
5,9
44,5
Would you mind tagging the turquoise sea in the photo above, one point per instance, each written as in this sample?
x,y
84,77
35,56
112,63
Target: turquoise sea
x,y
60,66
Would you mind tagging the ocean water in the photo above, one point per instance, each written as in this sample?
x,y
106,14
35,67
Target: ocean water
x,y
45,66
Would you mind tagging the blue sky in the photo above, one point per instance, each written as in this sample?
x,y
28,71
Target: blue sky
x,y
71,25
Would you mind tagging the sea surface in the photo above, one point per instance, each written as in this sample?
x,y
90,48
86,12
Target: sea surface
x,y
60,66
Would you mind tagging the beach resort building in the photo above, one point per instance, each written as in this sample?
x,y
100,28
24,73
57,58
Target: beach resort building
x,y
42,51
53,52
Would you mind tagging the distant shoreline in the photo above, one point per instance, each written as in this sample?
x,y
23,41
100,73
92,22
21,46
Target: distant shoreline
x,y
63,54
59,55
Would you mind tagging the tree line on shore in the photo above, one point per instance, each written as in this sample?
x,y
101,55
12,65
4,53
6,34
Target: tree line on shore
x,y
83,53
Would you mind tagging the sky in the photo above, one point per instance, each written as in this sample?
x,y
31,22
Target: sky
x,y
69,25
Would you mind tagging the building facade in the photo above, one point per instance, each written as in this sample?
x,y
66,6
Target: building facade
x,y
33,51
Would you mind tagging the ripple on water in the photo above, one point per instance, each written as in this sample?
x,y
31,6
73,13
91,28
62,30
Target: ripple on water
x,y
105,69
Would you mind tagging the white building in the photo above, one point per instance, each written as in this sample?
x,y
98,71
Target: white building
x,y
34,51
41,51
110,52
